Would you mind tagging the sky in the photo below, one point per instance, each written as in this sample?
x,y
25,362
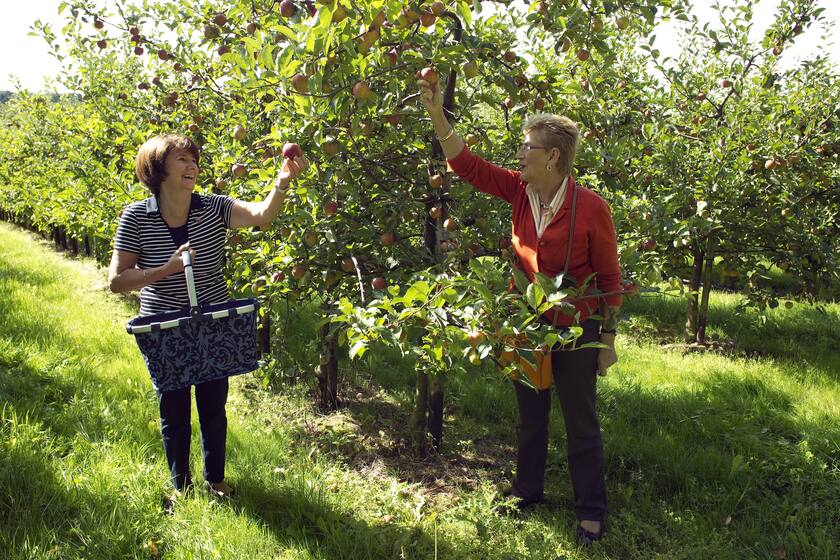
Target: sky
x,y
27,58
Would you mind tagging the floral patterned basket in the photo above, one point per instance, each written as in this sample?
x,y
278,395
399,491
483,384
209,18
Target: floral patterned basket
x,y
198,343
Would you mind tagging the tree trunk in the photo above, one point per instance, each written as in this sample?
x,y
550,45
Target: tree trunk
x,y
417,423
265,333
707,289
694,287
88,248
328,369
435,422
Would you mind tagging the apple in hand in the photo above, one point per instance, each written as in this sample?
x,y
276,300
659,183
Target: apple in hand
x,y
291,150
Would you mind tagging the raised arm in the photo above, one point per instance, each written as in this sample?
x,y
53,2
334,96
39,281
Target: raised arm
x,y
250,214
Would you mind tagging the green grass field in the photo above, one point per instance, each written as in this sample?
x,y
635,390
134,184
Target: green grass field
x,y
725,454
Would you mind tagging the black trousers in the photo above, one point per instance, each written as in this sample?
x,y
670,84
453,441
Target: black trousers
x,y
210,399
574,376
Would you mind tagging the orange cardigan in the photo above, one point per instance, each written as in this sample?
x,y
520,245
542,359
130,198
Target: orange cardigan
x,y
594,247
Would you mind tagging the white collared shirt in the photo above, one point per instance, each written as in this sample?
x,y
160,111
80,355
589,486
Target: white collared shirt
x,y
543,218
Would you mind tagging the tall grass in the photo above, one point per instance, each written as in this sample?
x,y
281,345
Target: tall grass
x,y
729,454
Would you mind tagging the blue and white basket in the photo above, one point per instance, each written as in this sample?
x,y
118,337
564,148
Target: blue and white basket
x,y
198,343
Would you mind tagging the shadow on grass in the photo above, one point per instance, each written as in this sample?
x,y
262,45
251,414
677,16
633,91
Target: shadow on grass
x,y
733,448
301,514
803,334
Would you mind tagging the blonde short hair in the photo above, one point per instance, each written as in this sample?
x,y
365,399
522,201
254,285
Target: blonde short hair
x,y
557,132
151,158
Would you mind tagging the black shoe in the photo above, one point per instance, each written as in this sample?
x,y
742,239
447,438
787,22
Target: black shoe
x,y
585,538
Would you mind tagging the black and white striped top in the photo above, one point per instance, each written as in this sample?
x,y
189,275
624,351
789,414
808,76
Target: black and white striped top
x,y
142,230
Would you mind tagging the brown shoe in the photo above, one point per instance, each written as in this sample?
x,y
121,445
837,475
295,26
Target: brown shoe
x,y
221,490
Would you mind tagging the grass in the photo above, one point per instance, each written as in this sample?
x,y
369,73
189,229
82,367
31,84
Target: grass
x,y
728,454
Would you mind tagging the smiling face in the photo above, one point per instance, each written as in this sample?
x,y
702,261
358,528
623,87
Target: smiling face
x,y
181,170
535,157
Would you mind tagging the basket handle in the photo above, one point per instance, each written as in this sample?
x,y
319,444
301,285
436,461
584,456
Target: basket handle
x,y
186,258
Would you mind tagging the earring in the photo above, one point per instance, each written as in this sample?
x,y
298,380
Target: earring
x,y
548,168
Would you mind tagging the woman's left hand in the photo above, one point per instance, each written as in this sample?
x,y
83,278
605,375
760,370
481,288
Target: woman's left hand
x,y
606,358
291,169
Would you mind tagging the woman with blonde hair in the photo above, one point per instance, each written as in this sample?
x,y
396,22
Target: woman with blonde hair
x,y
557,226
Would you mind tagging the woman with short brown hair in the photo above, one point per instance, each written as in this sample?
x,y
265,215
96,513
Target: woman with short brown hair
x,y
558,227
150,238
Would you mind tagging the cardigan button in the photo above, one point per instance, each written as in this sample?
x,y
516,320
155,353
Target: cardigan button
x,y
542,243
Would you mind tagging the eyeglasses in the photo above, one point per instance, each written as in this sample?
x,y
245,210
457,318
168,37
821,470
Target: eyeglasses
x,y
526,147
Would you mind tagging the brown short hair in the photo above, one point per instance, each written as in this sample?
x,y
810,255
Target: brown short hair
x,y
151,158
557,132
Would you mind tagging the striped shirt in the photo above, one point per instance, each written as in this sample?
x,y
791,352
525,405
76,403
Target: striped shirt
x,y
143,231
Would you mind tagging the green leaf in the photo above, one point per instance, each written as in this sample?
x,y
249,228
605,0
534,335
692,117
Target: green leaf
x,y
358,349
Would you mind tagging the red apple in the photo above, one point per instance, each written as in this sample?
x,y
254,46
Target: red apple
x,y
224,49
649,244
391,57
298,271
287,8
278,276
139,51
361,90
239,133
300,83
435,212
437,8
475,337
387,239
347,264
427,19
379,283
238,170
430,75
583,55
436,181
102,44
291,150
450,225
330,209
220,19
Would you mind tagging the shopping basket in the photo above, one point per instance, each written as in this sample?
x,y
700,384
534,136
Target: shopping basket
x,y
197,343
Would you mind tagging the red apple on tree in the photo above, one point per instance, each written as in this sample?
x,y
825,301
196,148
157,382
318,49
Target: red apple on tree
x,y
238,170
379,283
331,209
361,90
649,244
239,132
436,181
298,271
287,8
387,239
301,83
347,264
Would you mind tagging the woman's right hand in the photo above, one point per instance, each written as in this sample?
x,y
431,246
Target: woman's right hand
x,y
175,265
430,97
